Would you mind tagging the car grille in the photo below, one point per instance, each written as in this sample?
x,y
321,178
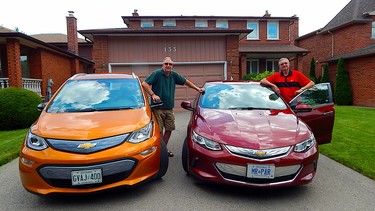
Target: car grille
x,y
237,173
114,171
87,147
258,154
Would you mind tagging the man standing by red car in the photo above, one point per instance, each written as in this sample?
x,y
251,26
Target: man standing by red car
x,y
288,83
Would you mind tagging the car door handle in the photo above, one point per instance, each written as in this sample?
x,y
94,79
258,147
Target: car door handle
x,y
328,113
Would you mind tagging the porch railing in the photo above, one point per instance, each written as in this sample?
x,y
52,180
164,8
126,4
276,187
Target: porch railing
x,y
27,83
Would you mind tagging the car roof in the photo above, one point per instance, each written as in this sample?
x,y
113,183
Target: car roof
x,y
84,76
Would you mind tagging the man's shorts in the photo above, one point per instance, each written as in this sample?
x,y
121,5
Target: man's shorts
x,y
165,118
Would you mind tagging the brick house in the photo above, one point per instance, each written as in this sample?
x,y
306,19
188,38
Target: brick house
x,y
349,35
202,47
29,63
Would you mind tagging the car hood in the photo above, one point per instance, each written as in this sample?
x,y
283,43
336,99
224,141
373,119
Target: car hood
x,y
89,125
256,129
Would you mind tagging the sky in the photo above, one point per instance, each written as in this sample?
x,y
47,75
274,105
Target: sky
x,y
49,16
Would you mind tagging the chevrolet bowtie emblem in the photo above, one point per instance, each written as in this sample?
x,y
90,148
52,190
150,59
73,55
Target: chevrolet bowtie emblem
x,y
260,153
86,145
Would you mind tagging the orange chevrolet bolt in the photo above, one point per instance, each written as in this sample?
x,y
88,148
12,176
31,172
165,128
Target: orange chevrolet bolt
x,y
96,133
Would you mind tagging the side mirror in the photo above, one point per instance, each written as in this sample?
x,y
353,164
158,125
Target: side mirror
x,y
187,105
41,106
303,108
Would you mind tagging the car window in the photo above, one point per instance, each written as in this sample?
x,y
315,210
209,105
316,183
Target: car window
x,y
97,95
317,95
240,96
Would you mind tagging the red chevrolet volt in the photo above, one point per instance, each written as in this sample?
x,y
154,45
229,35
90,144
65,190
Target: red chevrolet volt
x,y
242,133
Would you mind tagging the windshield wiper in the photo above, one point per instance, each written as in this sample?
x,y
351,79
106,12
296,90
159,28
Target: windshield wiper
x,y
247,108
106,109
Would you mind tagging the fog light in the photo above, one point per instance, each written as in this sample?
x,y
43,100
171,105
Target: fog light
x,y
308,177
27,162
149,151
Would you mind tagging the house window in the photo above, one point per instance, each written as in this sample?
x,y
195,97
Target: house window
x,y
272,64
373,30
25,66
169,23
272,30
146,24
222,24
201,23
252,66
254,35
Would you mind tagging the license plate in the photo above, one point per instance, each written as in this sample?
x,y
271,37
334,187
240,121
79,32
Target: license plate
x,y
85,177
260,171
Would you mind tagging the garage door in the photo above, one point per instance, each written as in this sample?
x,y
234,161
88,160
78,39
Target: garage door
x,y
198,73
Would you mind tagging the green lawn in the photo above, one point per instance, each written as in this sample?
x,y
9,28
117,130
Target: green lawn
x,y
352,143
353,139
10,143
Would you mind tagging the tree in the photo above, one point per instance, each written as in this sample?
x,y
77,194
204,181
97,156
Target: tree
x,y
312,70
343,93
325,78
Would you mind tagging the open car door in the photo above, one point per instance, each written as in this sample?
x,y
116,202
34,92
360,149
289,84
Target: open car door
x,y
322,115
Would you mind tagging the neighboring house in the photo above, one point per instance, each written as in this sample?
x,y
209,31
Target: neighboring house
x,y
350,35
61,41
29,63
203,47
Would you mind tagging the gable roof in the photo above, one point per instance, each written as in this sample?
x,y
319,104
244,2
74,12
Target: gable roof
x,y
32,42
367,51
356,11
4,29
55,38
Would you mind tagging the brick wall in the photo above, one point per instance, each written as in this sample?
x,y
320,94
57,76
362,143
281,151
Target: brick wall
x,y
233,57
362,80
55,67
100,54
14,64
361,70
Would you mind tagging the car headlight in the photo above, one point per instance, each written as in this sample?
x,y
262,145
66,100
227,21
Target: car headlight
x,y
305,145
205,142
35,142
141,135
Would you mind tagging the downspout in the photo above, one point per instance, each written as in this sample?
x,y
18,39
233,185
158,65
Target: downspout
x,y
332,42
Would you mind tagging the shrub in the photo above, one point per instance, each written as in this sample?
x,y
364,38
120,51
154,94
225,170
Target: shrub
x,y
325,78
312,70
18,108
259,76
343,93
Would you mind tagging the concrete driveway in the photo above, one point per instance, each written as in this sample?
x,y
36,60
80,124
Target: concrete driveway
x,y
335,187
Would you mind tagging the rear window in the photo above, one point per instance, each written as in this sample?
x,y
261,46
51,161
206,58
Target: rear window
x,y
97,95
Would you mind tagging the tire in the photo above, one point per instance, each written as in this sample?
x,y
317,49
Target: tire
x,y
164,159
184,156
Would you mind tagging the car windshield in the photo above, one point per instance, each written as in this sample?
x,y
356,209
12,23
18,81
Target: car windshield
x,y
241,96
97,95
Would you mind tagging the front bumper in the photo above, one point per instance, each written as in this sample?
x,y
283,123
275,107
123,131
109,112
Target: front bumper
x,y
124,165
226,168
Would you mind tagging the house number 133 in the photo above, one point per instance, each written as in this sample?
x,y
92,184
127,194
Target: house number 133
x,y
170,49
